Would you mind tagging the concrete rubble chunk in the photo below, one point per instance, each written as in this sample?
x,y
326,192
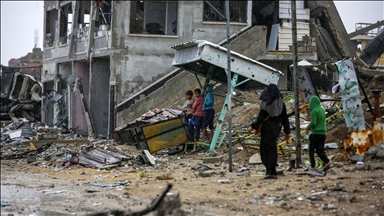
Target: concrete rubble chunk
x,y
225,181
255,159
380,153
213,159
356,158
207,173
31,158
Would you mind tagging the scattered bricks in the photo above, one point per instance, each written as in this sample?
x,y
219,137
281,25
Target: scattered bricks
x,y
213,159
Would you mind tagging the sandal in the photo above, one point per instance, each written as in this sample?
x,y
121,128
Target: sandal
x,y
328,166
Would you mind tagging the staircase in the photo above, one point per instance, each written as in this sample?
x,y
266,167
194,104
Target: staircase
x,y
160,82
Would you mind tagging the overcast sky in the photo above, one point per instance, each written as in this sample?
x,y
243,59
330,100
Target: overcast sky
x,y
19,19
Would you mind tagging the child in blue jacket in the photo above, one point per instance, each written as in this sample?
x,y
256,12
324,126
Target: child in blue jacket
x,y
209,112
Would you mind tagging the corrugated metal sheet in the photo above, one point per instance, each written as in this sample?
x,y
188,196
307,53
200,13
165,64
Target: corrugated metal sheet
x,y
164,134
285,34
153,116
201,56
285,13
359,142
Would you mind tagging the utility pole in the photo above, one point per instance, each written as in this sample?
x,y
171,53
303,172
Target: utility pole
x,y
295,84
229,86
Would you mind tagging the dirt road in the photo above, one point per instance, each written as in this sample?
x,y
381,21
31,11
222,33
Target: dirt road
x,y
347,188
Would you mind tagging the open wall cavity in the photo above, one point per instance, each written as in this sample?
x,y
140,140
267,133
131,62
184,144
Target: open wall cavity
x,y
80,121
99,103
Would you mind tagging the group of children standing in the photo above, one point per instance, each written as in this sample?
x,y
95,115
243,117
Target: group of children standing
x,y
201,111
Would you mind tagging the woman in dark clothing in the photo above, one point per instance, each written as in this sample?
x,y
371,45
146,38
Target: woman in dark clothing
x,y
273,107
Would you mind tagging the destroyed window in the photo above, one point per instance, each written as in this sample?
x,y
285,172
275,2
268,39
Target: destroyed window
x,y
84,14
103,13
51,18
65,22
153,17
237,10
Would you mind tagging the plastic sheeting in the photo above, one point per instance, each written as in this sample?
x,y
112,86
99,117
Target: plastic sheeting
x,y
353,109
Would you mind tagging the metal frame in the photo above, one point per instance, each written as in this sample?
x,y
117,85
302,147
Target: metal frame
x,y
209,60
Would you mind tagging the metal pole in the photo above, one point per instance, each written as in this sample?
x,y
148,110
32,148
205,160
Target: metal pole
x,y
229,85
295,84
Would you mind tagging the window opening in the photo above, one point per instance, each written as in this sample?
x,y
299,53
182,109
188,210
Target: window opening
x,y
154,17
51,18
237,10
103,13
65,22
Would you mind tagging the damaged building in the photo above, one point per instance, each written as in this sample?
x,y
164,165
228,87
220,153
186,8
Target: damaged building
x,y
107,62
21,87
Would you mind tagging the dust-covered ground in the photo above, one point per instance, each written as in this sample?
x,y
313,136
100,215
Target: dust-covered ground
x,y
346,189
46,188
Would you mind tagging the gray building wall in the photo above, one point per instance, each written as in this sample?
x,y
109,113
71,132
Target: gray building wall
x,y
140,59
133,61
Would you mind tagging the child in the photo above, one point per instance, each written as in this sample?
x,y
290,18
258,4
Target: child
x,y
188,112
198,113
318,133
209,112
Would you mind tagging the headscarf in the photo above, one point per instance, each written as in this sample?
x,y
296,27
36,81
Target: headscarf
x,y
272,100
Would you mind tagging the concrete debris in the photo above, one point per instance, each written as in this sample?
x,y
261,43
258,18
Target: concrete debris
x,y
255,159
21,98
213,159
326,146
356,158
107,185
377,151
99,158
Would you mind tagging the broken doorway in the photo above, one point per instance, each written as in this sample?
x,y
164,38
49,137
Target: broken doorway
x,y
47,111
99,103
80,122
61,97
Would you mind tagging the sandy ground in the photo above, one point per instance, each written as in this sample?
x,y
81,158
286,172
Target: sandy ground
x,y
346,189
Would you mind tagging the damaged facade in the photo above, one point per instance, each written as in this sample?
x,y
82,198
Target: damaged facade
x,y
119,51
31,64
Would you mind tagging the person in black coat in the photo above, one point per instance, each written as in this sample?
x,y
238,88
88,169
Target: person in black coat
x,y
272,116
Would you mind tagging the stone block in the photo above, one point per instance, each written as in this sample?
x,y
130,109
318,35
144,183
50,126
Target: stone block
x,y
213,159
255,159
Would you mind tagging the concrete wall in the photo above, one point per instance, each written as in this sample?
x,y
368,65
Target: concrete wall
x,y
139,59
252,43
282,66
99,91
171,95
